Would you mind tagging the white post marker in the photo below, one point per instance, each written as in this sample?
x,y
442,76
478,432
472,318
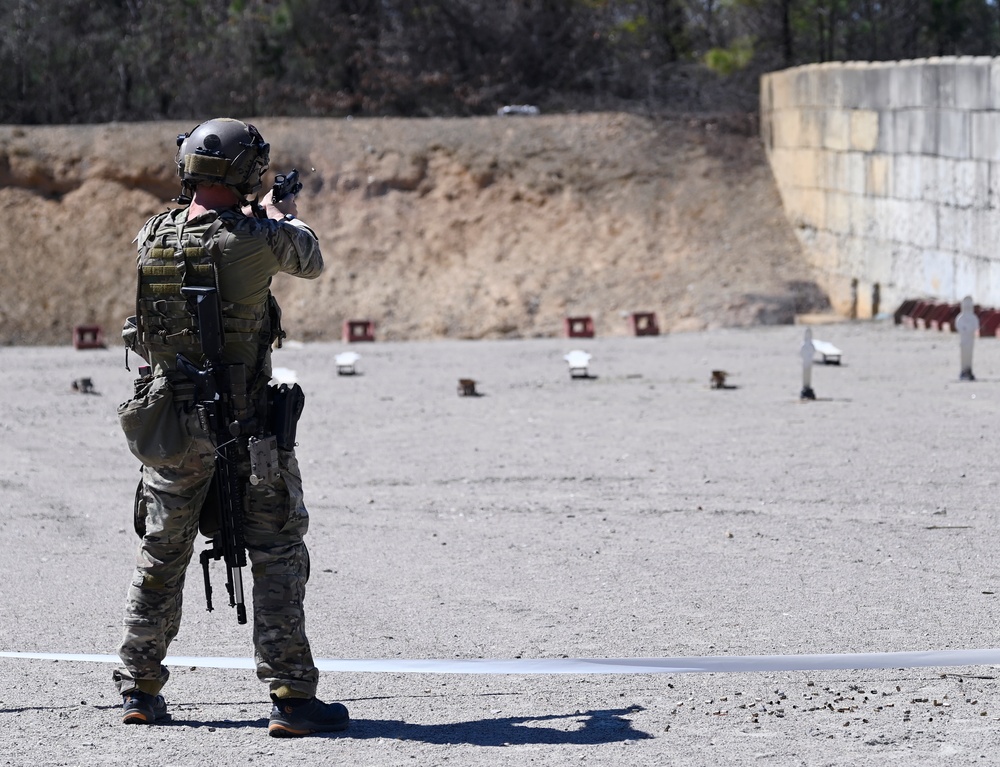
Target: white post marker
x,y
807,351
967,325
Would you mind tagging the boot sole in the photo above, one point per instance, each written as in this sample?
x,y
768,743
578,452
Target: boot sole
x,y
136,718
285,730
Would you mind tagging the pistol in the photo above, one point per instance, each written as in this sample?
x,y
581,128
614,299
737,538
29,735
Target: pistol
x,y
286,185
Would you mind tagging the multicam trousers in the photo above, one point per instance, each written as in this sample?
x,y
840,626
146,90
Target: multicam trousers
x,y
274,525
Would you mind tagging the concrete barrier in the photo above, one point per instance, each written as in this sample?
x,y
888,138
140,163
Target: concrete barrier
x,y
890,174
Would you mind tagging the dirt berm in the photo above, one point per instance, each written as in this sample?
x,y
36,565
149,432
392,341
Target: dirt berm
x,y
459,228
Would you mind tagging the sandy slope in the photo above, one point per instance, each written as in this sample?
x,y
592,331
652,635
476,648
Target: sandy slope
x,y
478,228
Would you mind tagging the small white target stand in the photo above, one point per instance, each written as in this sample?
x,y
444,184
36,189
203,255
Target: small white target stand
x,y
967,325
347,363
579,363
807,352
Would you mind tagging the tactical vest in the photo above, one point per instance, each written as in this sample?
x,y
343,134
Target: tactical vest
x,y
172,255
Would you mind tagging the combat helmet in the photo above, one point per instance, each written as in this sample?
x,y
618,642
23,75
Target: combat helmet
x,y
223,151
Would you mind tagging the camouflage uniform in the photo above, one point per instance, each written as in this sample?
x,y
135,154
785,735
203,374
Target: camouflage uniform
x,y
247,253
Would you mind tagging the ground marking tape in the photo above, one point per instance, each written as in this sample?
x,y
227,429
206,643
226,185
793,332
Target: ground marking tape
x,y
705,665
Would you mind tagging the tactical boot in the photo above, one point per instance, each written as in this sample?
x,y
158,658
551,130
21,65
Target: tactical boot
x,y
294,717
143,708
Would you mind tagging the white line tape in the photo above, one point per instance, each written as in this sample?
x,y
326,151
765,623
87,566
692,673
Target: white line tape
x,y
717,664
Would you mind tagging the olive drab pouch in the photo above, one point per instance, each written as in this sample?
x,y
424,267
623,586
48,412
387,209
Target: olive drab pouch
x,y
153,426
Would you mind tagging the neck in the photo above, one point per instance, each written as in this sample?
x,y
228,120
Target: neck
x,y
211,197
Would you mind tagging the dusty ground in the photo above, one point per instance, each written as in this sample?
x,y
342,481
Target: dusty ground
x,y
478,228
639,513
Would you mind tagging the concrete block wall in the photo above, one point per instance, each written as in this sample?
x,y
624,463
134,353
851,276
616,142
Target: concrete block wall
x,y
890,174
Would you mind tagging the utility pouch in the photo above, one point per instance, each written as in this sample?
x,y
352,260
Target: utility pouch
x,y
285,405
263,460
153,423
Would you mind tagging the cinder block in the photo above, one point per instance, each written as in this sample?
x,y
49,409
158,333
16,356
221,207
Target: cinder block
x,y
876,85
838,213
966,183
873,260
855,173
902,86
779,91
785,130
887,133
828,170
993,189
804,87
878,174
805,170
812,127
938,273
864,130
828,88
837,130
764,94
937,179
989,291
964,83
985,138
908,221
812,210
864,218
915,131
913,84
891,219
929,169
852,84
905,170
970,274
984,234
954,133
825,252
922,223
907,262
994,67
947,227
955,229
854,254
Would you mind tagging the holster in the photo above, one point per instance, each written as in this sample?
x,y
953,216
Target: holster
x,y
285,405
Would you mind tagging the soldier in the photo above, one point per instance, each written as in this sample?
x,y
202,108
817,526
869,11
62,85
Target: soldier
x,y
216,241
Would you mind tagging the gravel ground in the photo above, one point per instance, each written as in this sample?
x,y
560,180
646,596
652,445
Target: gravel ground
x,y
637,513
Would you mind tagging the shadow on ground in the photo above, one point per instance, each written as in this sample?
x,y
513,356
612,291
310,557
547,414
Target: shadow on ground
x,y
581,728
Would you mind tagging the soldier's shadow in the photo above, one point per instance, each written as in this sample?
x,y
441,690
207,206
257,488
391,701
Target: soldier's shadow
x,y
584,728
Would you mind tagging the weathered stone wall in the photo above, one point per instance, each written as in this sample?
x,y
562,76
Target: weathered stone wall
x,y
890,174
